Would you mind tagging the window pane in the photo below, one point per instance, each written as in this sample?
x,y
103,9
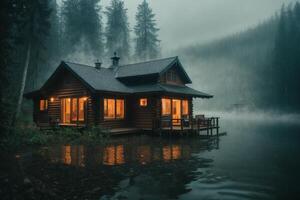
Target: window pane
x,y
143,102
185,107
110,108
120,108
166,106
81,108
42,105
74,109
66,110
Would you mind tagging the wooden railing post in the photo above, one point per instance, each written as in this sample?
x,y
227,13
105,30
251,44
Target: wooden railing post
x,y
181,124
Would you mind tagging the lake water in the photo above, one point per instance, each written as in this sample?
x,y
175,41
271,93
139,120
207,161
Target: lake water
x,y
255,160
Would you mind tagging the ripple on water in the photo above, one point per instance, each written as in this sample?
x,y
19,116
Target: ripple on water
x,y
211,186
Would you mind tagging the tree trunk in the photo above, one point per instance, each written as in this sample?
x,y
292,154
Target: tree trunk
x,y
23,83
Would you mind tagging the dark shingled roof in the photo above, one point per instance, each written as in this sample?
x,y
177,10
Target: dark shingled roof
x,y
175,89
144,68
102,80
107,79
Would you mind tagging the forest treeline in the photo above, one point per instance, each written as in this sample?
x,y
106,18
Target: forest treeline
x,y
37,34
257,69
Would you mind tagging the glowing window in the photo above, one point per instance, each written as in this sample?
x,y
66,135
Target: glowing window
x,y
114,109
73,110
81,108
143,102
109,108
166,106
185,107
43,105
120,108
66,110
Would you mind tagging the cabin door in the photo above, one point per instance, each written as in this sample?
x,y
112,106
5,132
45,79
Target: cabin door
x,y
176,112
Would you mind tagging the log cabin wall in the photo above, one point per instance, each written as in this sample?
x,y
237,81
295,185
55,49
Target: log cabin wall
x,y
143,116
66,86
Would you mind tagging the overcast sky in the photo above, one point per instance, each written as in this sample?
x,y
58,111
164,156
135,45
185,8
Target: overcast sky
x,y
184,22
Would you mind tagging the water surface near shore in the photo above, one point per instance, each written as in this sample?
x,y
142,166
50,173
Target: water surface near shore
x,y
255,160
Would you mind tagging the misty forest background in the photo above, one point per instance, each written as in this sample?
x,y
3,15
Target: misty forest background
x,y
256,69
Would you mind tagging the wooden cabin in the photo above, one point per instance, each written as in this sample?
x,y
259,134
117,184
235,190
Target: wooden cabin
x,y
118,96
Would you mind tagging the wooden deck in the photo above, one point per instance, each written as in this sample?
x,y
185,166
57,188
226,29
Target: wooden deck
x,y
196,126
207,127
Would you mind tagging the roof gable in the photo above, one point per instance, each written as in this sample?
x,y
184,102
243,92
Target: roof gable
x,y
153,67
62,67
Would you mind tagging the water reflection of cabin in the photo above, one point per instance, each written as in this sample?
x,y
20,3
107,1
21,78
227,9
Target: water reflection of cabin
x,y
120,96
120,154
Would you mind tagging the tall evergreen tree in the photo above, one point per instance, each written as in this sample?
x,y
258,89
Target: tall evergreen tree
x,y
147,43
6,21
34,23
83,26
117,29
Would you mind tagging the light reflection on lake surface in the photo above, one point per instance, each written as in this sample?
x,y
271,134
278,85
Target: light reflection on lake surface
x,y
255,160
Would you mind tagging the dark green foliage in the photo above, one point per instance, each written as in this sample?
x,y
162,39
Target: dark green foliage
x,y
82,27
286,60
147,43
117,30
6,18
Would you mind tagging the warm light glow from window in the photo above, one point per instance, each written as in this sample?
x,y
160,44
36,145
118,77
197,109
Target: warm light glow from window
x,y
72,110
114,109
109,108
67,159
167,154
52,99
143,102
166,106
120,108
176,152
66,110
81,109
43,105
185,107
113,155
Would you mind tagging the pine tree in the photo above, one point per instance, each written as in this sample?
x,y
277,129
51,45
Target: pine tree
x,y
34,24
147,43
6,21
117,29
83,26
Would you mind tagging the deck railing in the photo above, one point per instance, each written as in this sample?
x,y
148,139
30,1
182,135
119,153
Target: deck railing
x,y
192,124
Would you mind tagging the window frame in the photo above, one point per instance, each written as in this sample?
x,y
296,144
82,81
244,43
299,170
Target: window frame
x,y
171,76
115,117
170,101
187,107
72,121
45,105
145,100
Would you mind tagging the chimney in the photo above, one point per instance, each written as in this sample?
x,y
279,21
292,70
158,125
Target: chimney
x,y
98,65
115,60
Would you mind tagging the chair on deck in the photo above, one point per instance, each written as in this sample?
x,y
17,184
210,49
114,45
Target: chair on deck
x,y
166,121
